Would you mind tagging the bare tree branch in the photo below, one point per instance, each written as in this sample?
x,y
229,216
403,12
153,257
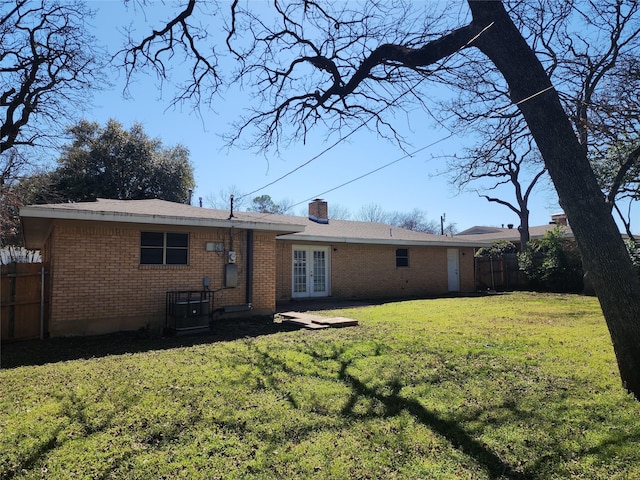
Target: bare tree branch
x,y
48,61
176,38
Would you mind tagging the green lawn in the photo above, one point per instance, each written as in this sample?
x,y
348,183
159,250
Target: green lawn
x,y
506,386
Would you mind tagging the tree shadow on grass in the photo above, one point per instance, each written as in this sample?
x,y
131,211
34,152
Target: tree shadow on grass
x,y
53,350
36,455
383,396
393,404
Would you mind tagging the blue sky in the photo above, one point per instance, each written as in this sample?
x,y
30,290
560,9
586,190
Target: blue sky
x,y
411,182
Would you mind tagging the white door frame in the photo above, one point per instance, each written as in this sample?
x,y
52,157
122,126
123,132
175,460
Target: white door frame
x,y
310,265
453,269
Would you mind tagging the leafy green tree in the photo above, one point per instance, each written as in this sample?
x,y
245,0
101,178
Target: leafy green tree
x,y
634,253
265,204
110,162
36,188
497,249
553,263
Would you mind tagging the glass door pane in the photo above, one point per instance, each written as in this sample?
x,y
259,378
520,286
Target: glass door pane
x,y
299,271
319,271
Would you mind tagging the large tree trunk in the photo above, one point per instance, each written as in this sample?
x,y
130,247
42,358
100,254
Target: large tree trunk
x,y
524,227
603,251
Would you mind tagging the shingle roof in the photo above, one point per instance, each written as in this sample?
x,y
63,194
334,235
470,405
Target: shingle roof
x,y
37,218
349,231
153,208
161,212
511,234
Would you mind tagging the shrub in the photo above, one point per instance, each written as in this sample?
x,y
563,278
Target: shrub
x,y
634,252
552,263
497,249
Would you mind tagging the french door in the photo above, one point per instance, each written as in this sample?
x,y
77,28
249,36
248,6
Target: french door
x,y
310,271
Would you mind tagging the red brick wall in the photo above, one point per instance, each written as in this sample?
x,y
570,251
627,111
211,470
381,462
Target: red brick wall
x,y
283,269
363,270
99,286
264,270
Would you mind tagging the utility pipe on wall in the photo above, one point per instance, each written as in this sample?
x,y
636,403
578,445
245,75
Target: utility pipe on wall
x,y
249,290
42,302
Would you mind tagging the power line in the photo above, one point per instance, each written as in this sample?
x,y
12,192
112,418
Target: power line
x,y
408,155
373,116
371,172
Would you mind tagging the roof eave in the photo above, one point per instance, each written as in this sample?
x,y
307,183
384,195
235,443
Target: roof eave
x,y
383,241
42,215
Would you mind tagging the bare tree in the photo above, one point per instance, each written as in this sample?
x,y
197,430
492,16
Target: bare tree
x,y
512,160
590,51
415,220
338,212
372,212
48,65
222,200
320,66
49,62
618,172
178,38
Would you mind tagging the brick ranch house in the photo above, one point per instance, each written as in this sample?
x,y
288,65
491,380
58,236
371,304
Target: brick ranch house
x,y
348,259
112,262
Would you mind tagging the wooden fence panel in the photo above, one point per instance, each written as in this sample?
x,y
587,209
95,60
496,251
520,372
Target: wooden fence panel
x,y
500,273
21,301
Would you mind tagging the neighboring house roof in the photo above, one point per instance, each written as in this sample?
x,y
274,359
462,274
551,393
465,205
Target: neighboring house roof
x,y
491,234
36,219
348,231
481,229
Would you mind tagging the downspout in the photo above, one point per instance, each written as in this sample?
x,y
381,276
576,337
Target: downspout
x,y
249,289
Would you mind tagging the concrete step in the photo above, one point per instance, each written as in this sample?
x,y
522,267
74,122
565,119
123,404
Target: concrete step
x,y
304,323
337,322
309,320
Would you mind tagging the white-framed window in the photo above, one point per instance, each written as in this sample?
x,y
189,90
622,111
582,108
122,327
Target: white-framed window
x,y
162,248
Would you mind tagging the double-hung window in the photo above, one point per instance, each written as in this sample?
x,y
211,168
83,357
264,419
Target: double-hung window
x,y
402,257
160,248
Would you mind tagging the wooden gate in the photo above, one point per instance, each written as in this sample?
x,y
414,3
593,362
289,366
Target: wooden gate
x,y
24,301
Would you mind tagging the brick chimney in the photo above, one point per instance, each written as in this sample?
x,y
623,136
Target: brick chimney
x,y
559,219
319,211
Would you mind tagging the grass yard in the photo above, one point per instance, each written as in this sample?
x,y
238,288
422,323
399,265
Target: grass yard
x,y
507,386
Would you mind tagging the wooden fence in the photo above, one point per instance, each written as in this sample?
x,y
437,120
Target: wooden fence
x,y
24,301
500,273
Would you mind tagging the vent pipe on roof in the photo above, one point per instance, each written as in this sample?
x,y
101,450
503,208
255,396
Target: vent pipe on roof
x,y
231,215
